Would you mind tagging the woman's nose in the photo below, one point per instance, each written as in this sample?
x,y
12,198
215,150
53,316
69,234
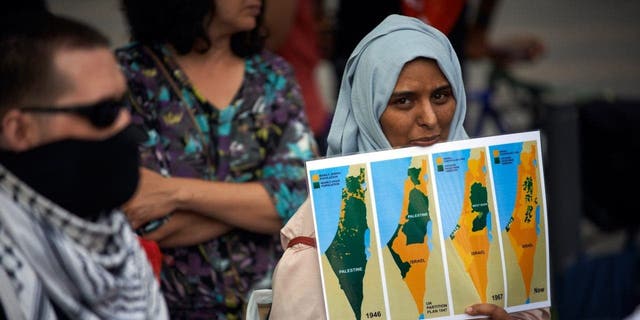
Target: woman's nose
x,y
426,115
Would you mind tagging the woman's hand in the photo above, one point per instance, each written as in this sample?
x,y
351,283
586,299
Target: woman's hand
x,y
186,229
155,198
491,310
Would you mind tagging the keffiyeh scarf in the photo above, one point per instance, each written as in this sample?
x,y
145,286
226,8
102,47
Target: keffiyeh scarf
x,y
88,270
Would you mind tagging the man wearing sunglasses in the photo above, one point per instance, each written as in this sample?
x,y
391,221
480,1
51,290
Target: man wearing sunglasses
x,y
68,161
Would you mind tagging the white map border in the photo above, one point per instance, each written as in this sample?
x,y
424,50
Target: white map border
x,y
375,156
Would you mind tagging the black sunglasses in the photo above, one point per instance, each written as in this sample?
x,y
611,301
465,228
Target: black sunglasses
x,y
101,114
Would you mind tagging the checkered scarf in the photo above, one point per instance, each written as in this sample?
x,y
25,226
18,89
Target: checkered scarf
x,y
89,270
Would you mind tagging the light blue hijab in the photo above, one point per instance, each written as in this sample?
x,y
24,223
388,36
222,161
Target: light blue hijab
x,y
371,74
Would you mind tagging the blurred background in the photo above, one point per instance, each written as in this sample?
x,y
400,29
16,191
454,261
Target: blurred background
x,y
583,94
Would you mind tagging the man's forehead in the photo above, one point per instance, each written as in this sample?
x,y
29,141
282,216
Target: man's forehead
x,y
89,73
70,60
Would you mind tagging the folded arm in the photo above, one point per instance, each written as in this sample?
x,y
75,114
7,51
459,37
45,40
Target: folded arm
x,y
185,228
243,205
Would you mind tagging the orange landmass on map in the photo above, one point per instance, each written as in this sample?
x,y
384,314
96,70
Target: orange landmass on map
x,y
522,227
473,246
417,254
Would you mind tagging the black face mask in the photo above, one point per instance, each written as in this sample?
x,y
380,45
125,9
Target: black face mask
x,y
86,177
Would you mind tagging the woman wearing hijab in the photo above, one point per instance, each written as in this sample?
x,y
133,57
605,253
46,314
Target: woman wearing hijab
x,y
402,86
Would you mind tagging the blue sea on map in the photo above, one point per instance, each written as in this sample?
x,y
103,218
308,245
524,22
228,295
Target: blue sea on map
x,y
505,179
451,187
328,203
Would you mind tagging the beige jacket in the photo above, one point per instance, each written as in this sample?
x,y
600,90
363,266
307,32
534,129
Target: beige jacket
x,y
297,286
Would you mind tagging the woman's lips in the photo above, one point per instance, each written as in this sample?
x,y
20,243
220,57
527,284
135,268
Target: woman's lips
x,y
424,142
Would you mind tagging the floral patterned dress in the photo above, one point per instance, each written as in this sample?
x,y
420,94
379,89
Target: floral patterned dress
x,y
263,135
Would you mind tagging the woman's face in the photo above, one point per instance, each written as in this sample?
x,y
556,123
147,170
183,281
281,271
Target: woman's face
x,y
421,106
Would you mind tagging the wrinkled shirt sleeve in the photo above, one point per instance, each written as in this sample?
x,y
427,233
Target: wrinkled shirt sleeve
x,y
284,174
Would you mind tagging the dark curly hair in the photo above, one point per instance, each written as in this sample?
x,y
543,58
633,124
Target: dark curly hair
x,y
182,23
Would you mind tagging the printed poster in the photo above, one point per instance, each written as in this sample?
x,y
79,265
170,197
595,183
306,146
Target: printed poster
x,y
421,233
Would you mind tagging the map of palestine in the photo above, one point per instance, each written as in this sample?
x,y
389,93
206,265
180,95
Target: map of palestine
x,y
516,172
411,248
349,256
422,233
473,249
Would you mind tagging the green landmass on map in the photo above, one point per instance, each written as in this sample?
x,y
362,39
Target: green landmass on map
x,y
479,204
414,229
346,254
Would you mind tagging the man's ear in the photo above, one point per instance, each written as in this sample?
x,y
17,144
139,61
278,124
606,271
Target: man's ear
x,y
16,131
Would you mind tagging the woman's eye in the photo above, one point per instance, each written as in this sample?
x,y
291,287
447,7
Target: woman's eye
x,y
401,102
440,97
